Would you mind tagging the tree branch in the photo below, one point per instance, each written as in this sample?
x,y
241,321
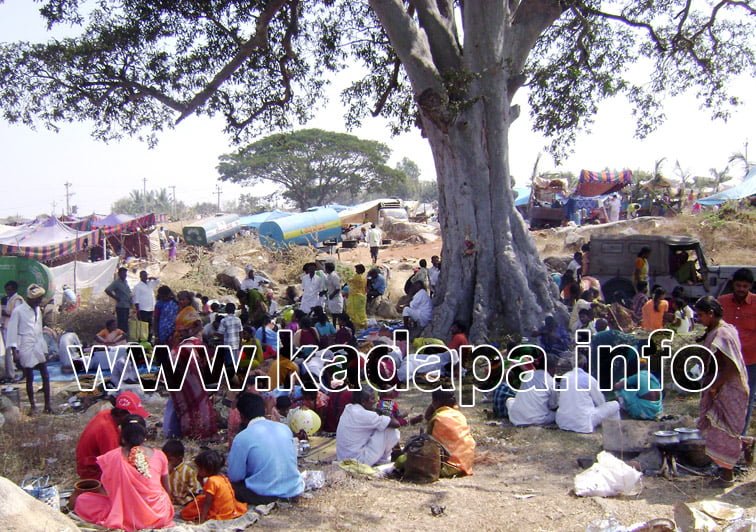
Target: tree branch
x,y
410,45
529,20
284,71
392,86
661,46
258,41
443,43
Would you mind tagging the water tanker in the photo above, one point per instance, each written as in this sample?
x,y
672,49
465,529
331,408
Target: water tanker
x,y
311,227
205,232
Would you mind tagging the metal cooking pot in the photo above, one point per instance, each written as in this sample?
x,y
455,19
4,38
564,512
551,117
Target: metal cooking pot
x,y
665,437
685,434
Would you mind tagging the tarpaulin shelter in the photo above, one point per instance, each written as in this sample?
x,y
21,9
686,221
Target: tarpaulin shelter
x,y
86,278
600,183
522,196
253,221
127,232
46,241
746,189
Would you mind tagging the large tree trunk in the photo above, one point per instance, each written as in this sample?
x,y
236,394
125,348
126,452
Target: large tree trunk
x,y
492,277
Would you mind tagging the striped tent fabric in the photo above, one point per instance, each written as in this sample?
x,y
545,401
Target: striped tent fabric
x,y
45,241
115,224
593,184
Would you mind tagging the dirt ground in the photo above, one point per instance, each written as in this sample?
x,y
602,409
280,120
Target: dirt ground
x,y
523,480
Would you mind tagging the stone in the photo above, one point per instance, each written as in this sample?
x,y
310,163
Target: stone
x,y
231,277
20,512
12,415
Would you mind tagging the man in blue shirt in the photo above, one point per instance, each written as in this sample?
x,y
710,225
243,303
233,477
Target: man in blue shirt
x,y
376,284
262,464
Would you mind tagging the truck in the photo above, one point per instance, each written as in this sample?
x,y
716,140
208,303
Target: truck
x,y
612,262
205,232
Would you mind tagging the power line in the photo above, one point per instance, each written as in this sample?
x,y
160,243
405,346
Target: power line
x,y
173,188
144,194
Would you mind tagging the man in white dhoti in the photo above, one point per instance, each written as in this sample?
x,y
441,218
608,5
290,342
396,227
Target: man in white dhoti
x,y
334,299
363,434
313,288
27,344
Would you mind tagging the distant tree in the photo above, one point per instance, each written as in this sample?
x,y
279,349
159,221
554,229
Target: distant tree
x,y
428,191
203,209
408,184
313,166
248,204
741,158
720,176
157,201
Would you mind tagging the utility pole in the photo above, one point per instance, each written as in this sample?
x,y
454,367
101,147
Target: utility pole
x,y
68,197
173,213
218,192
144,194
53,211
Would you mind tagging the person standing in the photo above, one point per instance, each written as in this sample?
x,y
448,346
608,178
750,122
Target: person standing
x,y
120,292
434,273
172,248
374,239
313,288
724,403
161,236
640,271
144,298
614,206
334,299
14,299
356,304
27,343
739,310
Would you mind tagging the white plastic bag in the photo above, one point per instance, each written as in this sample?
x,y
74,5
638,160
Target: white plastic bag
x,y
608,477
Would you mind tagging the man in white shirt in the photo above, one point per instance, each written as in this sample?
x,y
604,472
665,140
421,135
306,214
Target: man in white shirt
x,y
374,240
363,434
614,204
313,288
420,309
582,406
434,272
334,298
143,297
13,301
253,282
67,339
536,401
27,344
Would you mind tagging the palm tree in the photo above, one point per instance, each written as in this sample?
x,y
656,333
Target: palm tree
x,y
741,158
720,177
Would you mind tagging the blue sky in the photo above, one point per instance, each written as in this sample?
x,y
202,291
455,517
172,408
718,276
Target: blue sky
x,y
35,164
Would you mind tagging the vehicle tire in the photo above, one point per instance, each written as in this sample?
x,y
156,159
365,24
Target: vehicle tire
x,y
617,290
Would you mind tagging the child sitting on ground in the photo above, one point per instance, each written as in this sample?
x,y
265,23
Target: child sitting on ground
x,y
182,478
387,406
217,499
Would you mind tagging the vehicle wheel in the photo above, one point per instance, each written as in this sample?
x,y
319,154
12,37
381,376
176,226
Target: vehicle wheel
x,y
618,290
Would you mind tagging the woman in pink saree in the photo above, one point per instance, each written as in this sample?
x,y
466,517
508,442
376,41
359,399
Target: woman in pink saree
x,y
724,404
134,478
192,404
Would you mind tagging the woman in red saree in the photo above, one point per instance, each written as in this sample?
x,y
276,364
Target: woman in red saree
x,y
192,404
134,477
724,404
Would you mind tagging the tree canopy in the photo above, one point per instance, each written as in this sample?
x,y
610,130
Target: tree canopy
x,y
314,167
450,67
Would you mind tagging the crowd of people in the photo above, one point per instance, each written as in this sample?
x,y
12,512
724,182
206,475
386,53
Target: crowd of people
x,y
141,484
580,397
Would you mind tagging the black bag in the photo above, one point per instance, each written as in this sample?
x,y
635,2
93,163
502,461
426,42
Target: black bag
x,y
423,459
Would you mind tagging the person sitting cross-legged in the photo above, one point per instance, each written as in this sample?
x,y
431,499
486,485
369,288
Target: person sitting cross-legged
x,y
363,434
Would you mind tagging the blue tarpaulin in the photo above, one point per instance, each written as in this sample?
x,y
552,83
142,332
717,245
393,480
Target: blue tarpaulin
x,y
253,221
522,196
745,189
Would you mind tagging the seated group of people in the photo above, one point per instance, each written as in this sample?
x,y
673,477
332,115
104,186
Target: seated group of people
x,y
141,484
553,390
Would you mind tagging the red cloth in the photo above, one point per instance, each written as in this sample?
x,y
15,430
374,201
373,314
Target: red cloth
x,y
743,318
331,414
458,340
133,502
99,436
